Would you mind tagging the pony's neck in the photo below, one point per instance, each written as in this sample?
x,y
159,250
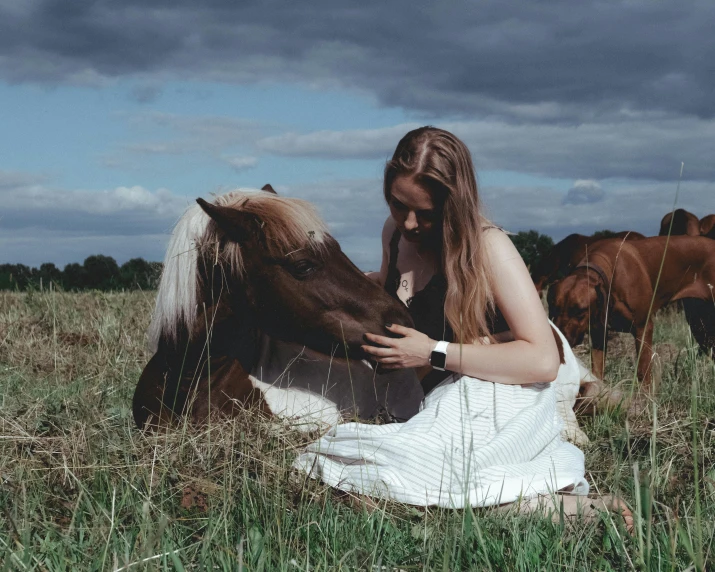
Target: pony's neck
x,y
225,325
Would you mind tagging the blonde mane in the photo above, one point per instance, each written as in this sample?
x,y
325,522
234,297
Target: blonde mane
x,y
287,225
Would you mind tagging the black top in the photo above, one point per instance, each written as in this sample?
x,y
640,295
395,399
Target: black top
x,y
426,307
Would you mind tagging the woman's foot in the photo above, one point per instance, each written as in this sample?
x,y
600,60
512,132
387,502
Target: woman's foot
x,y
588,508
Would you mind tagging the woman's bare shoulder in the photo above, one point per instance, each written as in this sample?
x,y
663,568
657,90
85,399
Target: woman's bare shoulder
x,y
388,230
389,227
498,243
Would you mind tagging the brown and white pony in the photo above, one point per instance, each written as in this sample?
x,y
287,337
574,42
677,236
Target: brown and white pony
x,y
258,306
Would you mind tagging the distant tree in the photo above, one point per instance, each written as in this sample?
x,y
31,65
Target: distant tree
x,y
137,273
101,273
15,276
20,276
74,277
604,234
49,273
532,246
98,272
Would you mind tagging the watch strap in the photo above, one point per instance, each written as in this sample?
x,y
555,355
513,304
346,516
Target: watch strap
x,y
438,356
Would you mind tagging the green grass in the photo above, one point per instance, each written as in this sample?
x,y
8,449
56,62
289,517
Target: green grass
x,y
81,488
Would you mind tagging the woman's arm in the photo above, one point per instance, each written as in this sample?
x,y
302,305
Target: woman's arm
x,y
531,357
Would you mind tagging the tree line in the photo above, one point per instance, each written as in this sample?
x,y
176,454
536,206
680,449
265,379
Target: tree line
x,y
98,272
101,272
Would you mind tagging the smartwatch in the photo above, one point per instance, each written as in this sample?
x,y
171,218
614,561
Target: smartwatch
x,y
438,357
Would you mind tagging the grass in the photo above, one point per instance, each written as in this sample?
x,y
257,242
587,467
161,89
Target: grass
x,y
82,489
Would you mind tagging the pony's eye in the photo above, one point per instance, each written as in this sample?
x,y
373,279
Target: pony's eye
x,y
302,268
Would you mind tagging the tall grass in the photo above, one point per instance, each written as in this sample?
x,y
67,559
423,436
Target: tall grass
x,y
82,489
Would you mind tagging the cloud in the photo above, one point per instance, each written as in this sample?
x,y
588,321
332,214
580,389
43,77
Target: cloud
x,y
629,205
519,60
123,211
355,144
175,135
584,192
240,164
42,223
632,149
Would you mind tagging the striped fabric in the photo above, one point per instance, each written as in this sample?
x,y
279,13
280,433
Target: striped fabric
x,y
474,443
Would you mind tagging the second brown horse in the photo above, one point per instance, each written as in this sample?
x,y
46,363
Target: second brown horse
x,y
619,288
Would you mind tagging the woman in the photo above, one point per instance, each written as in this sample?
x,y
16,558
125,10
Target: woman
x,y
489,433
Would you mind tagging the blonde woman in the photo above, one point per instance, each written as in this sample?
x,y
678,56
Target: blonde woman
x,y
489,433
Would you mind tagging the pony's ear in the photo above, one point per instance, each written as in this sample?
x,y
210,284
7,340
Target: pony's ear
x,y
239,226
268,189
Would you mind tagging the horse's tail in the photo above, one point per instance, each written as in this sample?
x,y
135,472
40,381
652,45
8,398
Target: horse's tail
x,y
178,288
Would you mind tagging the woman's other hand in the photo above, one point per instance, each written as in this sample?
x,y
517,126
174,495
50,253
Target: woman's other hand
x,y
411,350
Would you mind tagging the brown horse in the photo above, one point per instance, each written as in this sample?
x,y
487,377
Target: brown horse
x,y
257,305
614,287
684,223
707,226
565,255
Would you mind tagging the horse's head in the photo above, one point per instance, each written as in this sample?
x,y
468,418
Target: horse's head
x,y
574,302
301,285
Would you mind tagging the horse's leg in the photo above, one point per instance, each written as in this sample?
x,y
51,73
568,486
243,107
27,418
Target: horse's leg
x,y
226,389
644,354
148,403
599,347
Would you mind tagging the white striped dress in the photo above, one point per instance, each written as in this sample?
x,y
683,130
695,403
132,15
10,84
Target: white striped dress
x,y
475,443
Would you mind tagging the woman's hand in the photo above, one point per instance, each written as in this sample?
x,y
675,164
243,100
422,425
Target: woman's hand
x,y
412,350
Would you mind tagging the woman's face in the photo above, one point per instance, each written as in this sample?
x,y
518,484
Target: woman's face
x,y
413,209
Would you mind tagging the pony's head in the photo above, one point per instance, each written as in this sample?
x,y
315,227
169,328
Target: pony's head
x,y
276,254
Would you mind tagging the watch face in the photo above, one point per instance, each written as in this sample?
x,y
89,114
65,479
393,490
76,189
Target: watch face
x,y
438,359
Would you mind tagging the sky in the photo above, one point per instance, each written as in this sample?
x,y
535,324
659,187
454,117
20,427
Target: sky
x,y
116,115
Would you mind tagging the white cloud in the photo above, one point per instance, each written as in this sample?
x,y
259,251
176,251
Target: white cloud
x,y
241,163
29,203
584,191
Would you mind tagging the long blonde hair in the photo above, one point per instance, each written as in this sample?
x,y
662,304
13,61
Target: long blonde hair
x,y
440,162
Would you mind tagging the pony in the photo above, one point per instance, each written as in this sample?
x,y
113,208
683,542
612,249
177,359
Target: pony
x,y
613,288
258,307
566,254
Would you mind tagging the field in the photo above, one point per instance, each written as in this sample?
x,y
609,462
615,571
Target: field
x,y
82,489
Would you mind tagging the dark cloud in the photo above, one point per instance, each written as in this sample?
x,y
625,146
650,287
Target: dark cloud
x,y
584,192
518,59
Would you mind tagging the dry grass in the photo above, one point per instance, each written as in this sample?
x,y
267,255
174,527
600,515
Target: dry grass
x,y
81,488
